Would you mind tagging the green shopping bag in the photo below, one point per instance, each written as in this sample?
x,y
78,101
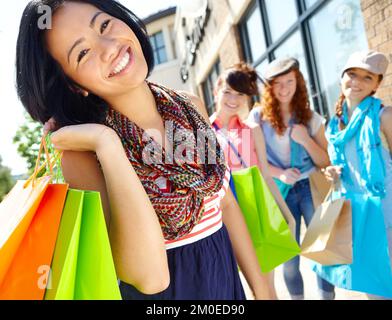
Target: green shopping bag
x,y
82,266
271,236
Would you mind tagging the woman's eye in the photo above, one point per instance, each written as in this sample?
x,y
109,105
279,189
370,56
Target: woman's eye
x,y
105,25
82,54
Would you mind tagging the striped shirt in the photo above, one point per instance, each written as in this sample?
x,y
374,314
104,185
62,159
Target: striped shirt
x,y
212,220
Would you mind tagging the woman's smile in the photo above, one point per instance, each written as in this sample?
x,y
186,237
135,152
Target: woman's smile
x,y
123,63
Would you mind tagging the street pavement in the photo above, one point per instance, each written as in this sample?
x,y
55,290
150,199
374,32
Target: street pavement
x,y
310,283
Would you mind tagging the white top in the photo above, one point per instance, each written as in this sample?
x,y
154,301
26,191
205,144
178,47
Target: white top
x,y
281,143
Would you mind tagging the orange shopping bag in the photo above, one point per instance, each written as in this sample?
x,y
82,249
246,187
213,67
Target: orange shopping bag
x,y
29,220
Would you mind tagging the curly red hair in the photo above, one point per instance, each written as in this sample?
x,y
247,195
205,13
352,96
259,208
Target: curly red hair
x,y
300,106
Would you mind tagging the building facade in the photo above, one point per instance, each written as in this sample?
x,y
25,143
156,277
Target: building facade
x,y
160,27
321,34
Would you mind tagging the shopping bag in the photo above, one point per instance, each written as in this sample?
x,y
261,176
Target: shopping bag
x,y
18,209
83,267
27,275
328,238
370,270
319,186
271,236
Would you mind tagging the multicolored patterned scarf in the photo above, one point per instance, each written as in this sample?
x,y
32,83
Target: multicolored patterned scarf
x,y
201,175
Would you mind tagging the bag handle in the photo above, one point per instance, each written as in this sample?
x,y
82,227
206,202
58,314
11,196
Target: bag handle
x,y
48,162
336,186
232,146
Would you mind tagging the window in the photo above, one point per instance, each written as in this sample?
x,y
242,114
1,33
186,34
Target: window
x,y
282,14
310,3
321,34
159,48
255,34
208,87
332,49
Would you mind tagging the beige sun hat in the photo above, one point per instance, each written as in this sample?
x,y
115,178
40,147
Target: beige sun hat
x,y
279,67
372,61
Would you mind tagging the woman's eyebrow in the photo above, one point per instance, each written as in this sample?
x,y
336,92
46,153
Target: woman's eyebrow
x,y
92,26
92,23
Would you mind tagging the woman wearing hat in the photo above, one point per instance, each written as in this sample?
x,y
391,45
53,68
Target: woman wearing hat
x,y
296,146
360,144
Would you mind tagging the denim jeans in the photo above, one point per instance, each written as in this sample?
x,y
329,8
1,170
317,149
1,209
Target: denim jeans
x,y
299,200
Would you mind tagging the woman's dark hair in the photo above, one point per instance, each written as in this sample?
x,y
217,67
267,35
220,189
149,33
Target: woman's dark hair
x,y
42,86
241,77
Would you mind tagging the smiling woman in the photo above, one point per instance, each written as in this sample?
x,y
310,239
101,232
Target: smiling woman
x,y
69,56
166,221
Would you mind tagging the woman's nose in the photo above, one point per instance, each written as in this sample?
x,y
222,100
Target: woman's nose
x,y
109,49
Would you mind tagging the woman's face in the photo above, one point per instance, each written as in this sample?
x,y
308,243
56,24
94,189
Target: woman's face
x,y
97,51
231,101
357,84
284,87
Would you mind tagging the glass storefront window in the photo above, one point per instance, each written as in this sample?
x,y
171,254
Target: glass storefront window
x,y
282,14
310,3
346,34
261,67
255,30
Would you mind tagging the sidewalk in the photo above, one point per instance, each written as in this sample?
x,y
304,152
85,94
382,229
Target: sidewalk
x,y
310,283
310,286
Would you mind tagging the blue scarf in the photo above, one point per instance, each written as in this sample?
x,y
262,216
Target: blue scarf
x,y
365,127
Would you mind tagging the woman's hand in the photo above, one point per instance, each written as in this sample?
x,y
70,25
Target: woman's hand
x,y
265,292
333,173
300,134
84,137
50,126
290,176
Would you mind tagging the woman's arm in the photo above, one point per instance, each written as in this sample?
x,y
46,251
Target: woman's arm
x,y
386,127
243,249
264,169
316,146
135,235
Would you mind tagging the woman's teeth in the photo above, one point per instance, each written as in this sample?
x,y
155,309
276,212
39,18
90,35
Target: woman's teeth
x,y
122,64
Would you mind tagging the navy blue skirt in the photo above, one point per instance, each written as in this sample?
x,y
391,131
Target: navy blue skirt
x,y
204,270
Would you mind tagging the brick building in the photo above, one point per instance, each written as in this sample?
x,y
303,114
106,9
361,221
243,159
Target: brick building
x,y
321,34
377,16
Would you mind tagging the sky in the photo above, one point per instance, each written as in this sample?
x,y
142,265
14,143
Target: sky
x,y
11,110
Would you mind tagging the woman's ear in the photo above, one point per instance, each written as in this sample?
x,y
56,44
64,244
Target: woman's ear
x,y
78,90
